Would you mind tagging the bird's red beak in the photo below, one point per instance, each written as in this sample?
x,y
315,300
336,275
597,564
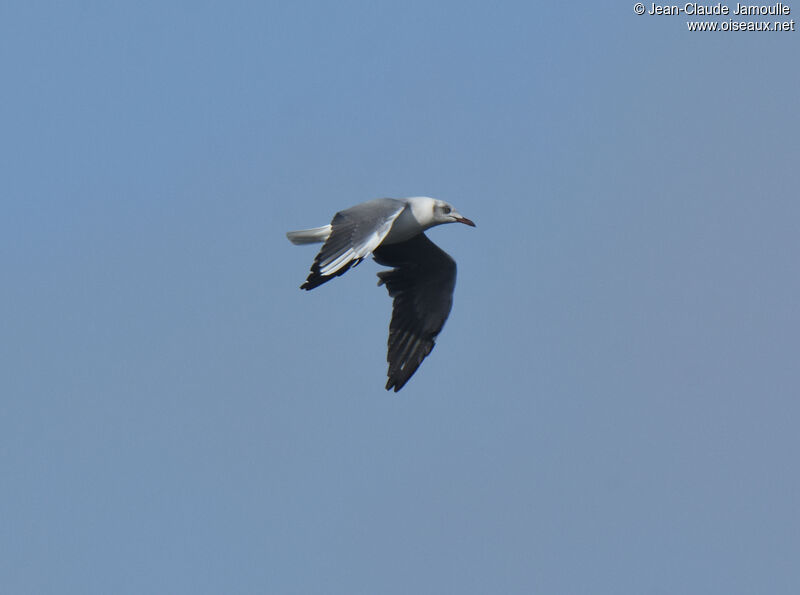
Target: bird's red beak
x,y
465,221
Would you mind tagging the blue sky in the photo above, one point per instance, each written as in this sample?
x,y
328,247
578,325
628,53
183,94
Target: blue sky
x,y
611,407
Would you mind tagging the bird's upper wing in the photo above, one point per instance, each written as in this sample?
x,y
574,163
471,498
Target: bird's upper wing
x,y
422,285
355,233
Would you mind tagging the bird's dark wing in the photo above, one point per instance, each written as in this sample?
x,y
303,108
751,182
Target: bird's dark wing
x,y
355,233
421,283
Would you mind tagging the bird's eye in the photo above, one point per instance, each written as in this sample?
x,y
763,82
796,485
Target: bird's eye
x,y
446,210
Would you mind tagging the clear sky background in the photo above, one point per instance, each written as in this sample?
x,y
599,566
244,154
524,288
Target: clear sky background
x,y
612,406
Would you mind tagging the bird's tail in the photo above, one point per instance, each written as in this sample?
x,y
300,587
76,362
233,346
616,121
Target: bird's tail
x,y
309,236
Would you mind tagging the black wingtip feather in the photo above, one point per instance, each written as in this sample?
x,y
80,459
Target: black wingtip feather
x,y
315,278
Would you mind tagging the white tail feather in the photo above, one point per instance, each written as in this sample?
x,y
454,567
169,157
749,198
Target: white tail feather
x,y
309,236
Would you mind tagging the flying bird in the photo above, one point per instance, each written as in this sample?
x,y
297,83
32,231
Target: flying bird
x,y
422,279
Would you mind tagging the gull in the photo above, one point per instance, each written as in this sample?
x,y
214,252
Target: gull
x,y
422,279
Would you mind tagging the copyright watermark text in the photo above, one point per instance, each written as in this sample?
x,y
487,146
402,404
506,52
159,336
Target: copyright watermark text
x,y
779,9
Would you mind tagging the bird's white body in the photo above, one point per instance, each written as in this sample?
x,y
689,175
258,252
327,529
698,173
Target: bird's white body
x,y
415,218
420,214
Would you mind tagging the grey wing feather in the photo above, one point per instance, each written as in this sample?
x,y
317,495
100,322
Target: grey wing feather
x,y
355,233
421,285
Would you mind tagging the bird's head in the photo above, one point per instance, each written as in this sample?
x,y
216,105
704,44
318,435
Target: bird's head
x,y
445,213
431,211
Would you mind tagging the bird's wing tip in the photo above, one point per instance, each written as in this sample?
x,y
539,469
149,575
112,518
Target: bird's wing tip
x,y
395,384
